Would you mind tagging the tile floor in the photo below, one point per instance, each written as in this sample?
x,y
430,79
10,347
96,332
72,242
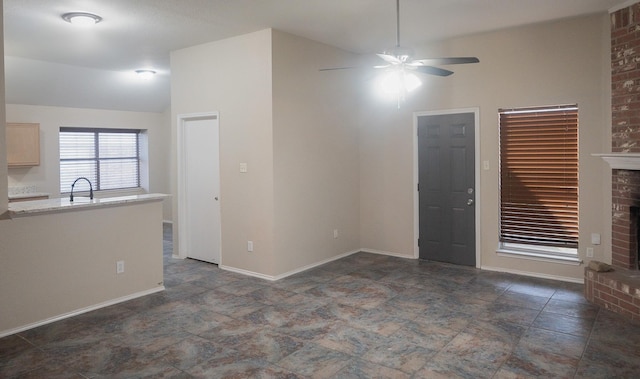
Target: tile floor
x,y
364,316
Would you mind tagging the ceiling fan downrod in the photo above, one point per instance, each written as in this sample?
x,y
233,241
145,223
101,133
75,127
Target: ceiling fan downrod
x,y
397,23
404,54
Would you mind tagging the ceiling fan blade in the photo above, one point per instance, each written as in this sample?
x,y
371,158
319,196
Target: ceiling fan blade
x,y
389,58
432,70
338,68
445,61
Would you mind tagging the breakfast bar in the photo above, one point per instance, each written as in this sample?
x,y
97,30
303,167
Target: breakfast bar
x,y
45,206
62,258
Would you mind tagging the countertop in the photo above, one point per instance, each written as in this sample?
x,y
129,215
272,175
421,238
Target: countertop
x,y
25,191
27,195
36,207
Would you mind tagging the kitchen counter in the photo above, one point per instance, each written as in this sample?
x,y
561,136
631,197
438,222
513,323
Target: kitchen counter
x,y
36,207
27,195
60,259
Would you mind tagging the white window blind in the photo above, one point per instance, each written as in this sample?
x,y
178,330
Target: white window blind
x,y
109,158
539,176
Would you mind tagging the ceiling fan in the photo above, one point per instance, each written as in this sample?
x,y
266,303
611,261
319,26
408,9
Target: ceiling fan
x,y
400,58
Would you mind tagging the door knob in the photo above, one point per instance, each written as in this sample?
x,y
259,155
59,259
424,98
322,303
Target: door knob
x,y
469,201
216,198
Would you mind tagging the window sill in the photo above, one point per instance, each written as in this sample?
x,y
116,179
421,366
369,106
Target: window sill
x,y
539,256
109,193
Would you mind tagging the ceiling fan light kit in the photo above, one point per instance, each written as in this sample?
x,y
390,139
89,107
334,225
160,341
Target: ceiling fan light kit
x,y
399,78
397,84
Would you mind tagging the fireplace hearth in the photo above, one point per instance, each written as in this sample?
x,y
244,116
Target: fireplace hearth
x,y
619,290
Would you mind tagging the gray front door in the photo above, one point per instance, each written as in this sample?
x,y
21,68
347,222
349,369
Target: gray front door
x,y
446,176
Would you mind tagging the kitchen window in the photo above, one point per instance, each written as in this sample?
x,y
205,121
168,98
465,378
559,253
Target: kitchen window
x,y
539,182
109,158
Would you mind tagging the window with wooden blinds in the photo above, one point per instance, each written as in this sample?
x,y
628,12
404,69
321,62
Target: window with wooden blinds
x,y
539,176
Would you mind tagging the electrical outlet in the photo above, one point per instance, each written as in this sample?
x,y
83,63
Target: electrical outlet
x,y
335,233
589,252
249,245
119,267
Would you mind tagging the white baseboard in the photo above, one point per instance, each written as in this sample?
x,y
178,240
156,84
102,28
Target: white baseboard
x,y
289,273
313,265
381,252
488,268
534,274
19,329
247,272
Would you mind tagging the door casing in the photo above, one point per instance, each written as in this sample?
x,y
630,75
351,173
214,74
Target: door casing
x,y
183,226
416,201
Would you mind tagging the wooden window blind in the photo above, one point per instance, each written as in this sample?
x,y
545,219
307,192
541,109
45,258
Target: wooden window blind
x,y
539,176
109,158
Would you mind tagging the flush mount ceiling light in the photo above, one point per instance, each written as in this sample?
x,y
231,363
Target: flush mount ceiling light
x,y
81,18
145,74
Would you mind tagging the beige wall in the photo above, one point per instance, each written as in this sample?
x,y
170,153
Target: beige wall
x,y
297,130
302,188
56,264
233,77
553,63
46,176
315,147
386,179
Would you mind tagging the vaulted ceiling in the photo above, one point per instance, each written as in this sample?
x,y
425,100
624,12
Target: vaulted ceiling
x,y
50,62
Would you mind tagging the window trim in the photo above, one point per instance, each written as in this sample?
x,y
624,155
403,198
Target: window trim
x,y
542,251
539,255
97,159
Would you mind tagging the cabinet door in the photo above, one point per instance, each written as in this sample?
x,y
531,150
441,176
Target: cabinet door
x,y
23,144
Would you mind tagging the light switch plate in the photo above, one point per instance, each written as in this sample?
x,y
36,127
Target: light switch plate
x,y
595,238
119,267
243,168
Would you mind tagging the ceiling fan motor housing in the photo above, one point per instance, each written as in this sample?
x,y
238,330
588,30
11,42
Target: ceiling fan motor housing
x,y
404,54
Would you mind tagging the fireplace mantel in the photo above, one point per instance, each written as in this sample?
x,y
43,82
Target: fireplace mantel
x,y
621,161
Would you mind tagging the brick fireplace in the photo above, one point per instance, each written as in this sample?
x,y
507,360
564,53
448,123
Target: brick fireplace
x,y
619,290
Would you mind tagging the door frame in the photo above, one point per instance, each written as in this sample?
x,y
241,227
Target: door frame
x,y
183,226
416,199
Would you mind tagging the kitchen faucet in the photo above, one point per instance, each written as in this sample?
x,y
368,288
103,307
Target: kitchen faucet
x,y
90,188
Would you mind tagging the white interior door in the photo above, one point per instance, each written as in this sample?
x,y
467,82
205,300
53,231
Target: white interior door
x,y
200,223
